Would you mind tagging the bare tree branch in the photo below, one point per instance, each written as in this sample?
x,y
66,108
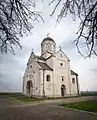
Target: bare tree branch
x,y
16,18
86,11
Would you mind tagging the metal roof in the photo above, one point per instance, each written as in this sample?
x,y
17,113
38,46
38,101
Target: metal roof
x,y
73,73
48,38
44,66
39,57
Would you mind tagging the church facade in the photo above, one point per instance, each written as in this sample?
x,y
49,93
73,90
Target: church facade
x,y
50,75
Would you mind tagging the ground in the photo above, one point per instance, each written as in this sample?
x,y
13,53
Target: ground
x,y
12,109
90,106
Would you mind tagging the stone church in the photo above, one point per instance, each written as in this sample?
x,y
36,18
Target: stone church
x,y
49,75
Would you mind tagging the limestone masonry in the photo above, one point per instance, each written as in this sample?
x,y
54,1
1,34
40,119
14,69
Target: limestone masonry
x,y
50,75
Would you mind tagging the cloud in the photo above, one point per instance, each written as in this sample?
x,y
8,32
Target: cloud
x,y
12,67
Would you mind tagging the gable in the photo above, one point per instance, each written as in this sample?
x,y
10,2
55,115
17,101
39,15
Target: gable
x,y
61,55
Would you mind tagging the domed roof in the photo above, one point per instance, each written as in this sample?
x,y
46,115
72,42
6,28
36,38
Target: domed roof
x,y
48,38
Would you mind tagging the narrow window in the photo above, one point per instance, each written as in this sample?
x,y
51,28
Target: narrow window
x,y
62,78
61,55
48,78
36,88
73,80
61,64
31,66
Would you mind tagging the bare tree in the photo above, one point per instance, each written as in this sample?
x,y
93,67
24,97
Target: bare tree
x,y
86,11
16,18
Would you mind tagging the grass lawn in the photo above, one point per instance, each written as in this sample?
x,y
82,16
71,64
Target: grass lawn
x,y
20,96
88,94
32,99
27,99
23,98
90,106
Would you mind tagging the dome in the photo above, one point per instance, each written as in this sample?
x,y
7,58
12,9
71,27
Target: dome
x,y
48,45
48,38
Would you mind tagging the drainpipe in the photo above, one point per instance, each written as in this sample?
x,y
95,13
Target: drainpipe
x,y
53,83
23,86
69,83
69,77
43,84
77,84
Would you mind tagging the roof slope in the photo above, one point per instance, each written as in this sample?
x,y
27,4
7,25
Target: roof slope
x,y
39,57
73,73
44,66
48,38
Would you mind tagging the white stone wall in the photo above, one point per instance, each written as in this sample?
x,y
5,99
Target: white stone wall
x,y
32,74
74,90
37,80
60,64
48,85
59,72
41,82
52,88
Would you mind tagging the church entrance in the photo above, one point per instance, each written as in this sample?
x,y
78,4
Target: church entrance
x,y
63,90
29,88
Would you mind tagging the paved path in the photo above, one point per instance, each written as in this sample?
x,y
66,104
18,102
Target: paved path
x,y
11,109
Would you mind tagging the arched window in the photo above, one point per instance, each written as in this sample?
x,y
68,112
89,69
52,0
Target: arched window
x,y
73,80
48,78
61,64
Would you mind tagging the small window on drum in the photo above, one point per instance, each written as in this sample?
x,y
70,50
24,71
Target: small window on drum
x,y
48,78
73,80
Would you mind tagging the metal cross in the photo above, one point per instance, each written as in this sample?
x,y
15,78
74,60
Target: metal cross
x,y
48,34
60,47
32,49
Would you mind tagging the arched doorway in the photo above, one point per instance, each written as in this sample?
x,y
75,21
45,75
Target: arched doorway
x,y
63,90
29,87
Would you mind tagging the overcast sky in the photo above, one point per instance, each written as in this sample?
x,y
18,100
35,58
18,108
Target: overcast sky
x,y
12,67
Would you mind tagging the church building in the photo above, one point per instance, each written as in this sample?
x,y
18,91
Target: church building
x,y
50,75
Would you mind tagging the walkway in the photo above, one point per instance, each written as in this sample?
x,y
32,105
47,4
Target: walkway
x,y
11,109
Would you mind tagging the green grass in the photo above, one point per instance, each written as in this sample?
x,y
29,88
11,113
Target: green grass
x,y
90,106
27,99
88,94
8,94
32,99
20,96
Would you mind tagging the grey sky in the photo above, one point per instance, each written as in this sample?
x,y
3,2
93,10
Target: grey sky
x,y
12,67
